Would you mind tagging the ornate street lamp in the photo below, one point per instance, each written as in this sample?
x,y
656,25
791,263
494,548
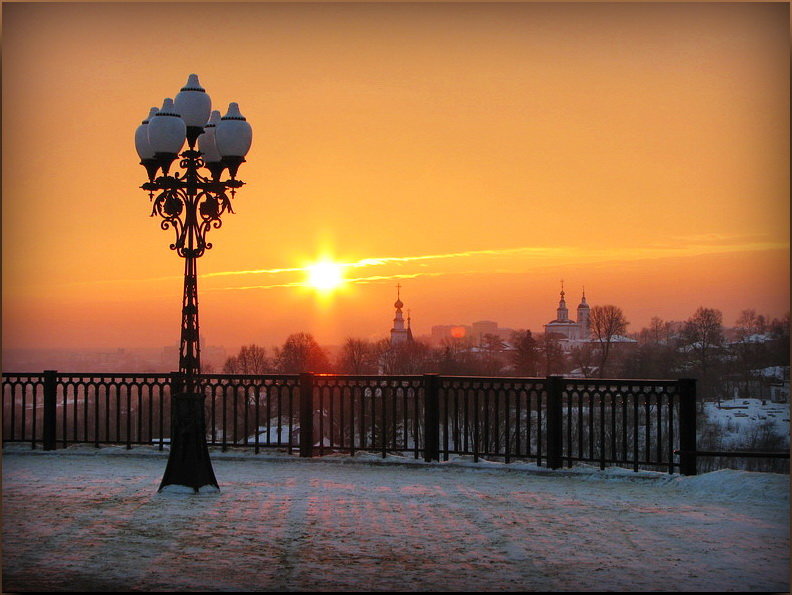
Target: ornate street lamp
x,y
191,204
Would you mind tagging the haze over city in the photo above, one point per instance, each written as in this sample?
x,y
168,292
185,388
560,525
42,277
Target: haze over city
x,y
476,154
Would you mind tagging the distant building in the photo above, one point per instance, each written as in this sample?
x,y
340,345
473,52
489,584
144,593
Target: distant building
x,y
400,334
575,333
441,332
470,334
481,328
571,330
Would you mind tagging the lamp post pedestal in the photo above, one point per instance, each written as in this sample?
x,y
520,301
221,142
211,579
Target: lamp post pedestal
x,y
188,463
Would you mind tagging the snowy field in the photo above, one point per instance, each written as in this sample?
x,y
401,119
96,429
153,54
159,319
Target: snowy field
x,y
84,519
739,419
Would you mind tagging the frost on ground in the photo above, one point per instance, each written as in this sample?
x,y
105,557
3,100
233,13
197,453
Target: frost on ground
x,y
85,519
740,418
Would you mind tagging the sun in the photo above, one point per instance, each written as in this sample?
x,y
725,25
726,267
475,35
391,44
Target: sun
x,y
325,276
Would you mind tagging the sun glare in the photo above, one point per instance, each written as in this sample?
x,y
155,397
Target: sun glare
x,y
325,276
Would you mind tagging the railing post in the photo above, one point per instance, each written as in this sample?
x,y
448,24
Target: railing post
x,y
306,414
431,417
687,425
50,408
555,388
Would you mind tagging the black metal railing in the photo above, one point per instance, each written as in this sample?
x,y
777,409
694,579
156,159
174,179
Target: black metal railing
x,y
641,424
251,410
493,417
634,423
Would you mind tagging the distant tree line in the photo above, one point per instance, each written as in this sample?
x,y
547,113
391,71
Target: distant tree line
x,y
723,360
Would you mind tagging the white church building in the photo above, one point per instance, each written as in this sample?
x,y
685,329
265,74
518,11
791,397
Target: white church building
x,y
571,331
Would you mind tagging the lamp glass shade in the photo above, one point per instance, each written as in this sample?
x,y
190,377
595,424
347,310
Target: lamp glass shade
x,y
193,103
142,145
234,134
207,142
166,130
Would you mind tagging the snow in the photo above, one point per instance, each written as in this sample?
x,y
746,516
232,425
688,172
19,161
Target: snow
x,y
774,372
755,338
91,519
739,418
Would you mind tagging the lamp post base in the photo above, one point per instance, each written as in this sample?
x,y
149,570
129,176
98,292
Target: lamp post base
x,y
188,463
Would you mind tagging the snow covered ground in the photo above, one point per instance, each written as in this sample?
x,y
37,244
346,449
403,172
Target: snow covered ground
x,y
740,418
90,519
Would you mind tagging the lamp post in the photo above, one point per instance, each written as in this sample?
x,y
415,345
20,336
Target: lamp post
x,y
191,203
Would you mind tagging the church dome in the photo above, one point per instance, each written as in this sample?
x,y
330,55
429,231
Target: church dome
x,y
398,304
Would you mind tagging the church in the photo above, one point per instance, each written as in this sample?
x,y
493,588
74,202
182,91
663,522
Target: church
x,y
400,335
571,331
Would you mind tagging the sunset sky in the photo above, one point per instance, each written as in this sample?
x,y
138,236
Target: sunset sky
x,y
476,154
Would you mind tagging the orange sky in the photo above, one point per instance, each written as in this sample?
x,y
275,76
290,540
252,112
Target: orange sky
x,y
640,150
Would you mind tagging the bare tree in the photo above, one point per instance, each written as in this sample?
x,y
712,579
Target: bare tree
x,y
453,357
300,353
750,323
704,335
489,354
552,354
251,359
583,357
746,350
658,331
607,322
525,358
358,356
411,357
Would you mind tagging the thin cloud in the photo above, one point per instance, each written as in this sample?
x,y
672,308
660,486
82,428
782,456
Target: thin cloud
x,y
541,256
356,281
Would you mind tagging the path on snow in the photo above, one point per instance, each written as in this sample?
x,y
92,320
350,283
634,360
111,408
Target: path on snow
x,y
81,519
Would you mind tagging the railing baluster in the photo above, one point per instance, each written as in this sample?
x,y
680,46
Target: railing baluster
x,y
625,398
50,409
613,426
555,390
321,392
290,395
529,422
659,441
75,414
64,403
539,432
580,423
602,429
306,414
442,389
686,388
383,410
670,433
648,420
476,430
431,418
635,430
351,393
34,416
363,389
257,390
507,428
341,426
571,392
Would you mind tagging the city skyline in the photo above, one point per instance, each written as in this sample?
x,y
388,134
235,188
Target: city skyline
x,y
475,154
